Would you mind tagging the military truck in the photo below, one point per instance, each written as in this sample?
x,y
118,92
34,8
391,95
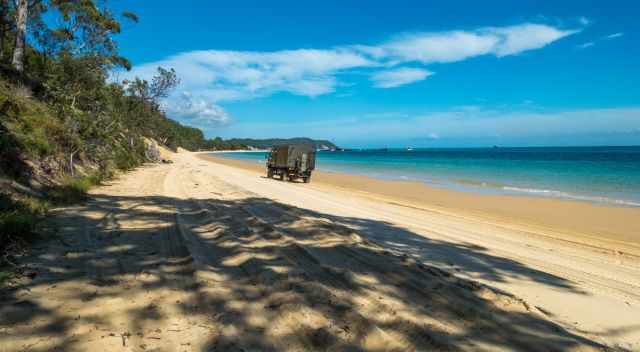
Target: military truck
x,y
292,161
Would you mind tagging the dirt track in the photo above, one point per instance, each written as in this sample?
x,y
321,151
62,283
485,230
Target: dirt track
x,y
200,257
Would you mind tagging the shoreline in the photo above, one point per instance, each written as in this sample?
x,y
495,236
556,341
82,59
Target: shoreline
x,y
268,255
610,227
233,151
482,187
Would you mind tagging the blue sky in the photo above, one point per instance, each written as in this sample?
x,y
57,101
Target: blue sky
x,y
420,73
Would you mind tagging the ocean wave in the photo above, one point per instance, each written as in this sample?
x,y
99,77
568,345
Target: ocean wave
x,y
565,195
494,187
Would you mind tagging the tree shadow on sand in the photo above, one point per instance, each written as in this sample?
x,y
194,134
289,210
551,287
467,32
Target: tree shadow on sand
x,y
260,275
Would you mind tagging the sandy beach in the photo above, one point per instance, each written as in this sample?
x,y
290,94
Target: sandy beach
x,y
208,254
611,227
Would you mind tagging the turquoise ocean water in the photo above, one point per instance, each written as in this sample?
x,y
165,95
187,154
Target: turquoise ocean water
x,y
609,175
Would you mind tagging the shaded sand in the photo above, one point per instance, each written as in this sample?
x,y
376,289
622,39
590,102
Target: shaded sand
x,y
609,227
198,256
586,282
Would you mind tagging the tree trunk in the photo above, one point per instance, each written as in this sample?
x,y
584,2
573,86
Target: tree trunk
x,y
21,30
3,16
4,21
2,39
71,169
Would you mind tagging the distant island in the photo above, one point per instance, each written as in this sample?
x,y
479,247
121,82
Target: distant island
x,y
250,143
320,144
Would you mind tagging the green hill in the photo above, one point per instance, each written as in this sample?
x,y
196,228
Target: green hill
x,y
268,143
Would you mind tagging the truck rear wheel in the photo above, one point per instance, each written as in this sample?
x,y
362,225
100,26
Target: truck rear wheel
x,y
306,179
281,176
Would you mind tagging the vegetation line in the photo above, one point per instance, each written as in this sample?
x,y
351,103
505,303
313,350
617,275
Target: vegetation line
x,y
65,125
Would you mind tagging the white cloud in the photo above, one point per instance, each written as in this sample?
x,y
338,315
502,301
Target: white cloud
x,y
517,39
608,37
397,77
223,75
584,21
586,45
196,111
215,76
234,75
454,46
435,47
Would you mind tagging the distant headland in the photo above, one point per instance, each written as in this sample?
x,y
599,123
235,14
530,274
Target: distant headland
x,y
251,143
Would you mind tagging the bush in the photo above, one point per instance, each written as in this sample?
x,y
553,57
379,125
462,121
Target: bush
x,y
36,206
4,276
124,160
73,189
17,230
127,158
18,219
30,122
18,225
36,143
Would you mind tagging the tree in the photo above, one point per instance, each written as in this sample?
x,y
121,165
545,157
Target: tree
x,y
160,86
69,53
22,7
83,29
4,25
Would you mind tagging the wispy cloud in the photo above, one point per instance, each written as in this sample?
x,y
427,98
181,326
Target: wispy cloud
x,y
397,77
452,46
216,76
586,45
593,43
233,75
584,21
614,35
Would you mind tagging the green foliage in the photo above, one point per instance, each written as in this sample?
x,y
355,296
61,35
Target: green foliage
x,y
68,194
35,206
62,111
128,157
5,276
26,126
174,135
62,115
221,144
18,219
17,224
76,114
73,189
268,143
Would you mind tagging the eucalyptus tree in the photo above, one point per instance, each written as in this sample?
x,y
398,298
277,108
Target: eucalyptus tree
x,y
21,7
75,27
5,25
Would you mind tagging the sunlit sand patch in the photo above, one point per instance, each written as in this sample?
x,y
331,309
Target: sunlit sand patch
x,y
242,258
119,248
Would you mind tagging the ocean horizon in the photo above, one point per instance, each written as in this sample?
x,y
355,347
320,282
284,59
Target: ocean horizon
x,y
602,175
